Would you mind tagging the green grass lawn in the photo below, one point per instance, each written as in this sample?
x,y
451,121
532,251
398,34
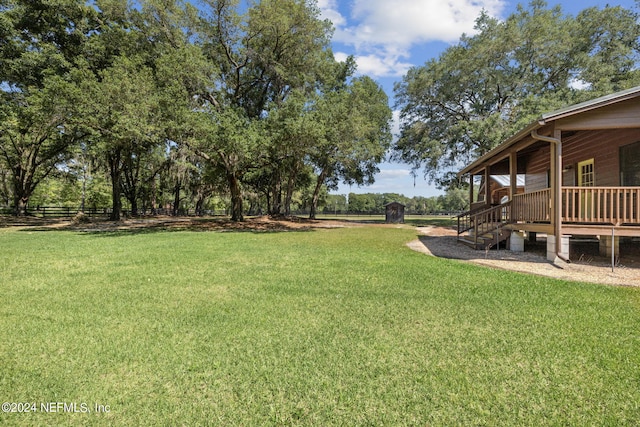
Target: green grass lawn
x,y
326,327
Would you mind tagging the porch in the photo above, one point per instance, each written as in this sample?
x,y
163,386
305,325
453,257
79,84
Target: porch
x,y
588,211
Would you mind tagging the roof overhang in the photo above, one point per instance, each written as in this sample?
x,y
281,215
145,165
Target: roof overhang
x,y
517,142
544,125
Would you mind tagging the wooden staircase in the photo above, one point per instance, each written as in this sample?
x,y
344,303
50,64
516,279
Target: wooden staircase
x,y
485,227
487,240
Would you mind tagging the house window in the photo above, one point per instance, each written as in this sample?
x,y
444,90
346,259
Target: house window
x,y
586,175
630,165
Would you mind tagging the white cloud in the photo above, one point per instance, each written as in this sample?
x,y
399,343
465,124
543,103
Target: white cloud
x,y
395,126
376,66
382,32
329,10
393,173
400,23
379,66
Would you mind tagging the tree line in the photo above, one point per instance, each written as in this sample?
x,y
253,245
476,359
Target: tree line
x,y
158,103
454,200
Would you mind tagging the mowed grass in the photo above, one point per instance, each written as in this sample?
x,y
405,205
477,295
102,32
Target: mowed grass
x,y
326,327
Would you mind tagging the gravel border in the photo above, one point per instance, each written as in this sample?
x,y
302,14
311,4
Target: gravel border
x,y
442,242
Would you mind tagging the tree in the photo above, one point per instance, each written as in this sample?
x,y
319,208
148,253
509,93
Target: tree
x,y
275,48
292,133
454,200
121,109
36,135
39,43
5,189
459,106
356,134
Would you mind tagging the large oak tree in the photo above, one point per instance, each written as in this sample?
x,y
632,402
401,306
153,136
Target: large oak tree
x,y
460,105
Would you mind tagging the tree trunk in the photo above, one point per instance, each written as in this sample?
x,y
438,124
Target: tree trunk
x,y
130,185
115,170
132,197
276,197
176,198
22,189
134,206
116,202
316,195
277,202
236,197
154,202
21,205
290,188
199,205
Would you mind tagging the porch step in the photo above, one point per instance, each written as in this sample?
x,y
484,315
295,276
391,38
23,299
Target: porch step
x,y
468,241
485,241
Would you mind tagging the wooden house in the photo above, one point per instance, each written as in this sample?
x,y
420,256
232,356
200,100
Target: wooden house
x,y
581,168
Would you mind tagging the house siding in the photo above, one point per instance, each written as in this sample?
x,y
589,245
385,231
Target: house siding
x,y
537,170
602,145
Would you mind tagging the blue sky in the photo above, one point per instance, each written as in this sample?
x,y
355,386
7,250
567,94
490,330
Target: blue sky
x,y
387,37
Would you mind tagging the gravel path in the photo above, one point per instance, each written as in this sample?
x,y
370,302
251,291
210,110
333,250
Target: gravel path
x,y
442,242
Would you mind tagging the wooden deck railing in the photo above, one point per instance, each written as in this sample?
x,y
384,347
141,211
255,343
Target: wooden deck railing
x,y
531,207
490,219
586,205
601,205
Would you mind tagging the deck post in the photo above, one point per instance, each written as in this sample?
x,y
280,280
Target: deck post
x,y
487,186
471,192
556,194
513,180
557,190
513,174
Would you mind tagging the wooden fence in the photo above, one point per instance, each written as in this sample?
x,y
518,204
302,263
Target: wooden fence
x,y
69,212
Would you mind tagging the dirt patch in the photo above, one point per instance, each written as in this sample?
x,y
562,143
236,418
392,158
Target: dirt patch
x,y
256,224
442,242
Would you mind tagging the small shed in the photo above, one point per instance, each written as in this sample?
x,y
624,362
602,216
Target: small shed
x,y
394,212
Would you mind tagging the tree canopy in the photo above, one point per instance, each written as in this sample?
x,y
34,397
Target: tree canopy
x,y
157,102
460,105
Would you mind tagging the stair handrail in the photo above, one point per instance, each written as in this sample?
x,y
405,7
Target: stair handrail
x,y
467,216
477,220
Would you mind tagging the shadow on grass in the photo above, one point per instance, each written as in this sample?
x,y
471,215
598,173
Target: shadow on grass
x,y
7,221
174,224
435,221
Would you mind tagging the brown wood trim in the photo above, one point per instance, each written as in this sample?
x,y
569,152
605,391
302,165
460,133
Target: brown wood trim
x,y
535,227
600,230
